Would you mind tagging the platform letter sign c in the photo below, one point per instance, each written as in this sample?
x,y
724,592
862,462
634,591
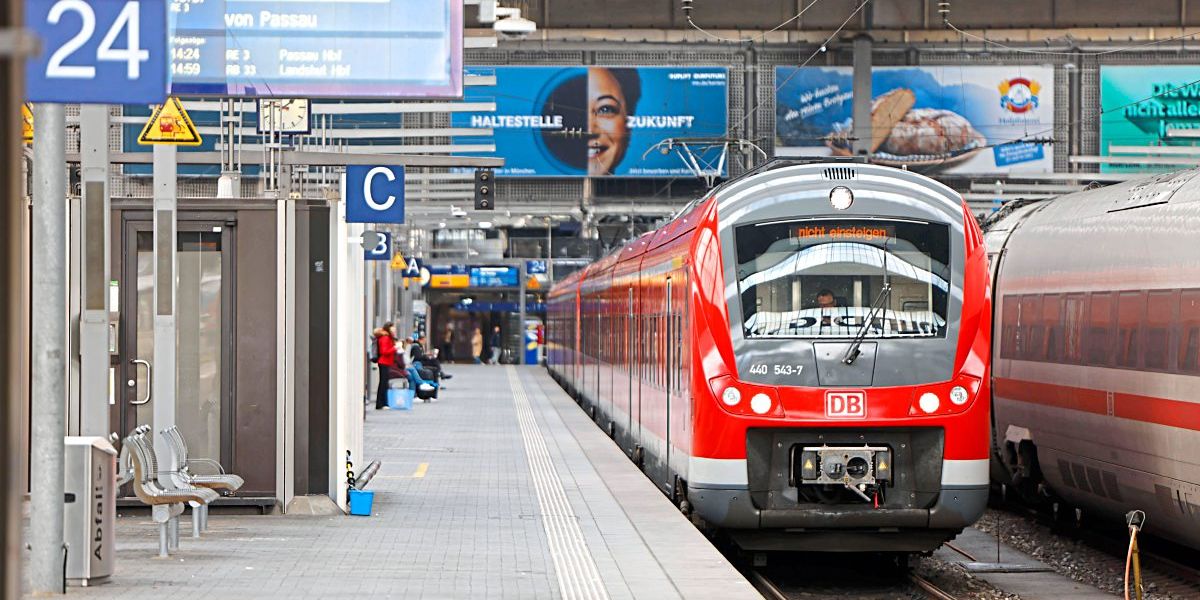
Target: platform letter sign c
x,y
374,194
369,197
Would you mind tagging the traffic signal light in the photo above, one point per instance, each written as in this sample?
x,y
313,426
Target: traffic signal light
x,y
485,189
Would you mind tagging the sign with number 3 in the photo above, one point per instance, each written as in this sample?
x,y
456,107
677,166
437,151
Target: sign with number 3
x,y
98,51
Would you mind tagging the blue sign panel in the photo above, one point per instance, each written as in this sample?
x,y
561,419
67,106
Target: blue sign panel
x,y
494,277
596,121
535,267
98,51
374,194
381,250
309,48
412,267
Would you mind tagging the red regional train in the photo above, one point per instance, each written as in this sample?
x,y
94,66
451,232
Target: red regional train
x,y
1097,350
799,358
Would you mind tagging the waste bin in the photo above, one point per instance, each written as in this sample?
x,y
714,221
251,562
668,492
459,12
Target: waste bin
x,y
91,507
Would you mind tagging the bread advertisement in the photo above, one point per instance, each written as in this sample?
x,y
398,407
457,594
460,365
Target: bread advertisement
x,y
962,120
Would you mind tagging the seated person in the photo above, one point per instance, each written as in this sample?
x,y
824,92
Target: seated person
x,y
431,363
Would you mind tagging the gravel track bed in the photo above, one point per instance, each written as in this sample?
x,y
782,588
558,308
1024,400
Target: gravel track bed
x,y
1070,557
849,577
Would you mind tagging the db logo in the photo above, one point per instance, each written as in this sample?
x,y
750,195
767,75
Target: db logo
x,y
841,404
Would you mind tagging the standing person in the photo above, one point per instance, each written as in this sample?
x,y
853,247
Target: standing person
x,y
494,344
477,346
447,347
385,348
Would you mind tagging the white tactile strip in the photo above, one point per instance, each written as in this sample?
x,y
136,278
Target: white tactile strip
x,y
577,574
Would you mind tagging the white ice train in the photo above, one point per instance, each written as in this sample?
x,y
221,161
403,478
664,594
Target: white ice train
x,y
1096,373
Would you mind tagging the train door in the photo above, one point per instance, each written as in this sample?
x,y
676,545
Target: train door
x,y
205,332
596,342
630,362
669,351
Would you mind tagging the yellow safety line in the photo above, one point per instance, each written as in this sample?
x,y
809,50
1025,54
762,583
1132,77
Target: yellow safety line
x,y
418,474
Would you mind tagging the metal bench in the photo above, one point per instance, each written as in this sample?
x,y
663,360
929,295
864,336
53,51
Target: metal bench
x,y
165,504
182,476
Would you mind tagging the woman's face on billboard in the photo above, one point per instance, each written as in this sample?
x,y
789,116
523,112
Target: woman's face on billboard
x,y
607,112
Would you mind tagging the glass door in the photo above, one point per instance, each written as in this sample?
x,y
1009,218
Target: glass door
x,y
204,336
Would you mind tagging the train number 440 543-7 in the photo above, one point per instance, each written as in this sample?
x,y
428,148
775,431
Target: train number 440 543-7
x,y
765,369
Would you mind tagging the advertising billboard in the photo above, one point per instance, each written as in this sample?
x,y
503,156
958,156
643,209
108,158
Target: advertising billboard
x,y
1142,102
311,48
596,121
948,119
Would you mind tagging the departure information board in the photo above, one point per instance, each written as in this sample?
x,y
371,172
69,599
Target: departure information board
x,y
326,48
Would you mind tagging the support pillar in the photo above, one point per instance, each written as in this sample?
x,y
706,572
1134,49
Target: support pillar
x,y
50,360
96,336
162,389
862,95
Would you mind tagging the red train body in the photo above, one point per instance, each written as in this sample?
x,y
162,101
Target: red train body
x,y
798,357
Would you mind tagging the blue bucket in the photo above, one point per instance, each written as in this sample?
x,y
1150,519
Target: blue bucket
x,y
361,502
400,399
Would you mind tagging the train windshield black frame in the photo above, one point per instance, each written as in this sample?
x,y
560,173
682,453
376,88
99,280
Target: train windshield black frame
x,y
817,278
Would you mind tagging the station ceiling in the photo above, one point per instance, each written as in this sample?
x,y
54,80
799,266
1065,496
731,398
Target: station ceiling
x,y
888,14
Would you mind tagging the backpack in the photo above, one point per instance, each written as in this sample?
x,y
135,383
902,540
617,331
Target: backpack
x,y
373,352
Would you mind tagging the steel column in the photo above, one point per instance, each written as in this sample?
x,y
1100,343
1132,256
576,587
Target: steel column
x,y
50,359
162,391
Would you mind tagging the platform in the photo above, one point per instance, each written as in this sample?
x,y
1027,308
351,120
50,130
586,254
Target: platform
x,y
501,489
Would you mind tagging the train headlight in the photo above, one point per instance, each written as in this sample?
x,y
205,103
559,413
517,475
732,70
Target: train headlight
x,y
731,396
760,404
841,197
929,402
959,395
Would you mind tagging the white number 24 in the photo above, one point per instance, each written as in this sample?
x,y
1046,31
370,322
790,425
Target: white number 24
x,y
132,55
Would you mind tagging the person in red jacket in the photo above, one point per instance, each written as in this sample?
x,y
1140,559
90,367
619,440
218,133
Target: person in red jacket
x,y
385,340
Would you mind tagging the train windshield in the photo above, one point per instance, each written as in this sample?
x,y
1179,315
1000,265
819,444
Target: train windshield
x,y
826,278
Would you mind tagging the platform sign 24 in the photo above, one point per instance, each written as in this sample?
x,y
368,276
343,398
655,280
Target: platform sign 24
x,y
98,51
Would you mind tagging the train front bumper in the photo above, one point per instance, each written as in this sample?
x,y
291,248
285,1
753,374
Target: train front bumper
x,y
766,504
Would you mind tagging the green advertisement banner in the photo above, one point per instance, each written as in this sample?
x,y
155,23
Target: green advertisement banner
x,y
1140,103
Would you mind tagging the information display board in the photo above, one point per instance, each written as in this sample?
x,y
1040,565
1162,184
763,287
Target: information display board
x,y
494,277
948,119
596,121
311,48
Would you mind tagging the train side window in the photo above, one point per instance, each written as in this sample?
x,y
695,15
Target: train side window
x,y
1074,309
1029,340
1131,309
1189,331
1052,327
1008,339
1160,314
1099,341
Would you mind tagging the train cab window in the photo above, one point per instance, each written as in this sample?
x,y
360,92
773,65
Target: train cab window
x,y
1160,313
822,278
1189,331
1100,329
1074,307
1131,309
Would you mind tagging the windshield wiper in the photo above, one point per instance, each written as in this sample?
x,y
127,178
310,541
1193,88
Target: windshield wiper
x,y
853,351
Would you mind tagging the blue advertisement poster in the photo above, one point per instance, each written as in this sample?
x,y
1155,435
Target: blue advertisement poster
x,y
596,121
949,119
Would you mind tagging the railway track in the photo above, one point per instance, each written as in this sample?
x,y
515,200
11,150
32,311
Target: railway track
x,y
1161,573
920,587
